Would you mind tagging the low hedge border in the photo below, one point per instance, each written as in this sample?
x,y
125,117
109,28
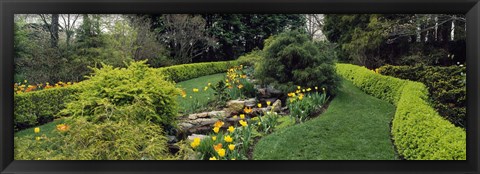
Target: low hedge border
x,y
418,131
39,107
446,87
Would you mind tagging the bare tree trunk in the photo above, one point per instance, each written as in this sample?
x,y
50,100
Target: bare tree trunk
x,y
54,31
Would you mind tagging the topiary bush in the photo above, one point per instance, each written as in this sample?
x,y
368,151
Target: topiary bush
x,y
418,131
446,86
291,59
136,92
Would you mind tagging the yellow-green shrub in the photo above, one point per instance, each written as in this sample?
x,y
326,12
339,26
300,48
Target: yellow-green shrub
x,y
419,132
136,92
39,107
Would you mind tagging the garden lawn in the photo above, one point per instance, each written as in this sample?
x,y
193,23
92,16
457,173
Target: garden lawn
x,y
356,126
201,96
44,129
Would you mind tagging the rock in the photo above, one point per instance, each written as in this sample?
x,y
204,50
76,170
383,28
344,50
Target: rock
x,y
185,126
259,111
274,92
235,106
172,139
216,114
251,102
203,121
262,92
277,105
198,115
193,136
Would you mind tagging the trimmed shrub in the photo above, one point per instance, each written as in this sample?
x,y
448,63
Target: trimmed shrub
x,y
178,73
291,59
136,92
383,87
418,131
446,86
39,107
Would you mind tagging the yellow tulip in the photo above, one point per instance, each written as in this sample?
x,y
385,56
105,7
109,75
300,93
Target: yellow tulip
x,y
214,138
195,89
268,103
196,142
242,116
218,124
231,129
221,152
206,87
228,139
212,158
231,146
36,130
217,147
37,138
243,123
216,129
298,87
259,105
309,89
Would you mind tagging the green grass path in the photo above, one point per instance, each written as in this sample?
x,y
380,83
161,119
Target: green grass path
x,y
354,127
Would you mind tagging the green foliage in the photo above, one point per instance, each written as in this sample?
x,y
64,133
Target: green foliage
x,y
266,123
124,139
178,73
383,87
136,92
305,107
251,58
419,132
446,86
40,107
291,60
242,33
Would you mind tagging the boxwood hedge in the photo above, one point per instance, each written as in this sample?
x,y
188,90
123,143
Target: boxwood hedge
x,y
446,87
38,107
418,131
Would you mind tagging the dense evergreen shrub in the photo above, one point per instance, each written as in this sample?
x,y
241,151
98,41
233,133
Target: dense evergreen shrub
x,y
291,59
446,86
418,131
136,92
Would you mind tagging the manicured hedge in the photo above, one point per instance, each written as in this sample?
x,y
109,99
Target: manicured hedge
x,y
40,107
184,72
419,132
446,86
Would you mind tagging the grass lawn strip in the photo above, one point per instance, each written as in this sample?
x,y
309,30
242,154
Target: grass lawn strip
x,y
355,127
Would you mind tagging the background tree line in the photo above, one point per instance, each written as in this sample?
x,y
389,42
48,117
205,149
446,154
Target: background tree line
x,y
374,40
61,47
